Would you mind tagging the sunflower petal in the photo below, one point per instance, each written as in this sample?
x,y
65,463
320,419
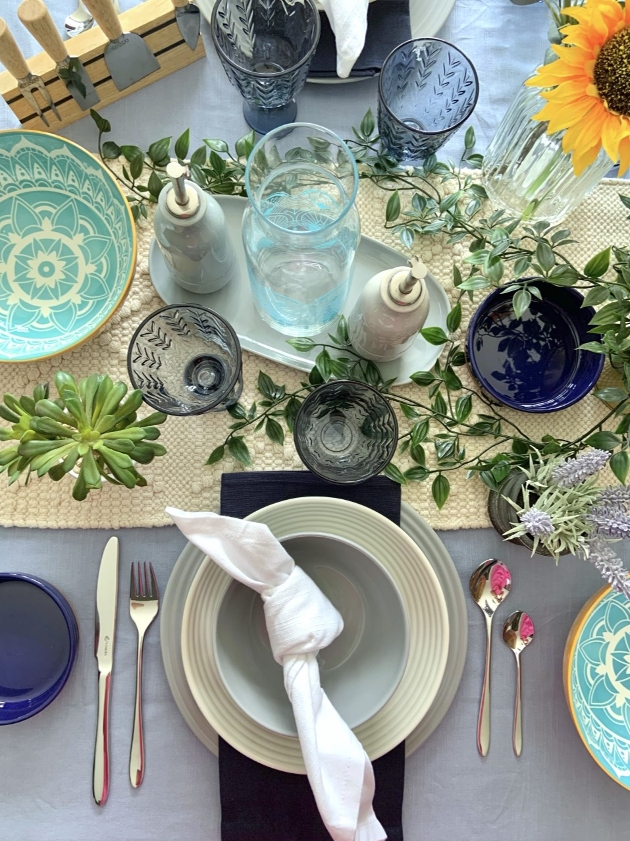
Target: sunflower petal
x,y
585,159
624,154
612,132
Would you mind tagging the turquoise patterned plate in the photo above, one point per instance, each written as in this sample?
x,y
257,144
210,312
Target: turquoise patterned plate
x,y
67,245
597,681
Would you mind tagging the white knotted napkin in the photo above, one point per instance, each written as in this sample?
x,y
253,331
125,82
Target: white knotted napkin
x,y
348,20
300,621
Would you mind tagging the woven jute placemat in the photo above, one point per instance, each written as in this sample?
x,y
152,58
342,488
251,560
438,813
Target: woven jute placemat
x,y
182,479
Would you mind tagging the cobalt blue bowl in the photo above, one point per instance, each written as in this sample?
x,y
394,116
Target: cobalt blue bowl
x,y
532,363
38,645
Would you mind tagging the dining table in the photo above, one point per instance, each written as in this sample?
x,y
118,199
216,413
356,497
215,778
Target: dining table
x,y
553,792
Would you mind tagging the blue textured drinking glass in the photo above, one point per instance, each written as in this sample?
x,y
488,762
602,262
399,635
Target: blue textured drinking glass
x,y
426,90
186,360
266,47
301,227
345,432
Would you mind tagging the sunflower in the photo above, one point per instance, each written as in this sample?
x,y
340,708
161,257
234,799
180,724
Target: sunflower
x,y
588,86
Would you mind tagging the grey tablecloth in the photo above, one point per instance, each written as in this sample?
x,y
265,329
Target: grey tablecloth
x,y
554,792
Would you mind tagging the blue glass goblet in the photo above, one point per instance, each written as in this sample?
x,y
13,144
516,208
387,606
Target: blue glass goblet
x,y
266,47
426,90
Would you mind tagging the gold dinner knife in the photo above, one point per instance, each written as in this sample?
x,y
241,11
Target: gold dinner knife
x,y
106,603
36,18
28,82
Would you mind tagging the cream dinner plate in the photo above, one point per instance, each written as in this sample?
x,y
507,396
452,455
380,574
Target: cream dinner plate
x,y
187,566
428,632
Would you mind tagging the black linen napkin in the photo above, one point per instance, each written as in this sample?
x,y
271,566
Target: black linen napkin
x,y
259,803
388,26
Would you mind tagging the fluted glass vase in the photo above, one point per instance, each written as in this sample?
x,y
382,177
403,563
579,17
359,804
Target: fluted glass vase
x,y
525,170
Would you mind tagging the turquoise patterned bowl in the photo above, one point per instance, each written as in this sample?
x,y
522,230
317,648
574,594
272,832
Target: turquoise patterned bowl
x,y
67,245
597,681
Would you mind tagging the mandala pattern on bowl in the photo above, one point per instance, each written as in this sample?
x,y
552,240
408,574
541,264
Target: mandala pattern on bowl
x,y
600,684
67,245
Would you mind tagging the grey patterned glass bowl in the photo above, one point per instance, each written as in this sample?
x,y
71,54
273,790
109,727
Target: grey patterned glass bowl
x,y
266,47
345,432
186,360
426,90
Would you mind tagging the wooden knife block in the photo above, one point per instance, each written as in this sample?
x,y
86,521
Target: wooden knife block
x,y
153,20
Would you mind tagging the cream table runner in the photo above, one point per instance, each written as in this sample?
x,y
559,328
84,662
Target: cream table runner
x,y
181,479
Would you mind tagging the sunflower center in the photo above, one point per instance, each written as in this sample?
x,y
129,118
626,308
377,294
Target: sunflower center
x,y
612,73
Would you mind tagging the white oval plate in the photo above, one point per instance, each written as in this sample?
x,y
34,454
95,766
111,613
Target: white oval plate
x,y
235,303
185,570
428,632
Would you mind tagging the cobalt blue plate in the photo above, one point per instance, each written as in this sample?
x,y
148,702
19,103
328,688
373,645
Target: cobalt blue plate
x,y
38,645
532,363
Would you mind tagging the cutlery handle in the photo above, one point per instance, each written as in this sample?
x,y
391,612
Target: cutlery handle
x,y
10,54
104,14
517,735
136,758
100,782
179,3
36,18
483,723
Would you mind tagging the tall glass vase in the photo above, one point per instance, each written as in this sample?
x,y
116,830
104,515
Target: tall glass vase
x,y
525,170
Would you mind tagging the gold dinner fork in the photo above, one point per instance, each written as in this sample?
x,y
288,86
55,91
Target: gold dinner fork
x,y
143,608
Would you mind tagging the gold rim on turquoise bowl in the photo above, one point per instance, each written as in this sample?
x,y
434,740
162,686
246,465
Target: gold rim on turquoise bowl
x,y
134,249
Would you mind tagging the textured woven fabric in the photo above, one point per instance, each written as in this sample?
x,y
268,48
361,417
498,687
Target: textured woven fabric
x,y
182,480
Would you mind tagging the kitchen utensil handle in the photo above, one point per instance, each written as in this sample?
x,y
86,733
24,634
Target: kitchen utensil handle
x,y
36,18
136,758
100,782
517,735
10,54
179,3
104,14
483,723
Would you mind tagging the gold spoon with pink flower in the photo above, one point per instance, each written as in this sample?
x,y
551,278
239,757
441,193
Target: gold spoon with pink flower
x,y
489,585
518,632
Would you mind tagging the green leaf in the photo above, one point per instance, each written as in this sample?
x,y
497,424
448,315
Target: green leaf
x,y
451,380
322,363
598,265
303,345
136,165
418,454
239,450
102,124
217,145
244,145
475,282
521,267
110,150
594,347
367,124
596,295
159,151
274,431
419,432
392,209
545,256
434,335
439,405
409,412
266,385
612,395
155,184
469,138
603,440
619,465
521,301
454,318
182,144
422,378
463,408
417,474
395,473
457,276
440,489
238,411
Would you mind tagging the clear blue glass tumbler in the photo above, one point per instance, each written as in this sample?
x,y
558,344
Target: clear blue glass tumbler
x,y
426,90
266,47
301,228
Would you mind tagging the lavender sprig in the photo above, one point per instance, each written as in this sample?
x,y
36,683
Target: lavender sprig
x,y
573,471
608,564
